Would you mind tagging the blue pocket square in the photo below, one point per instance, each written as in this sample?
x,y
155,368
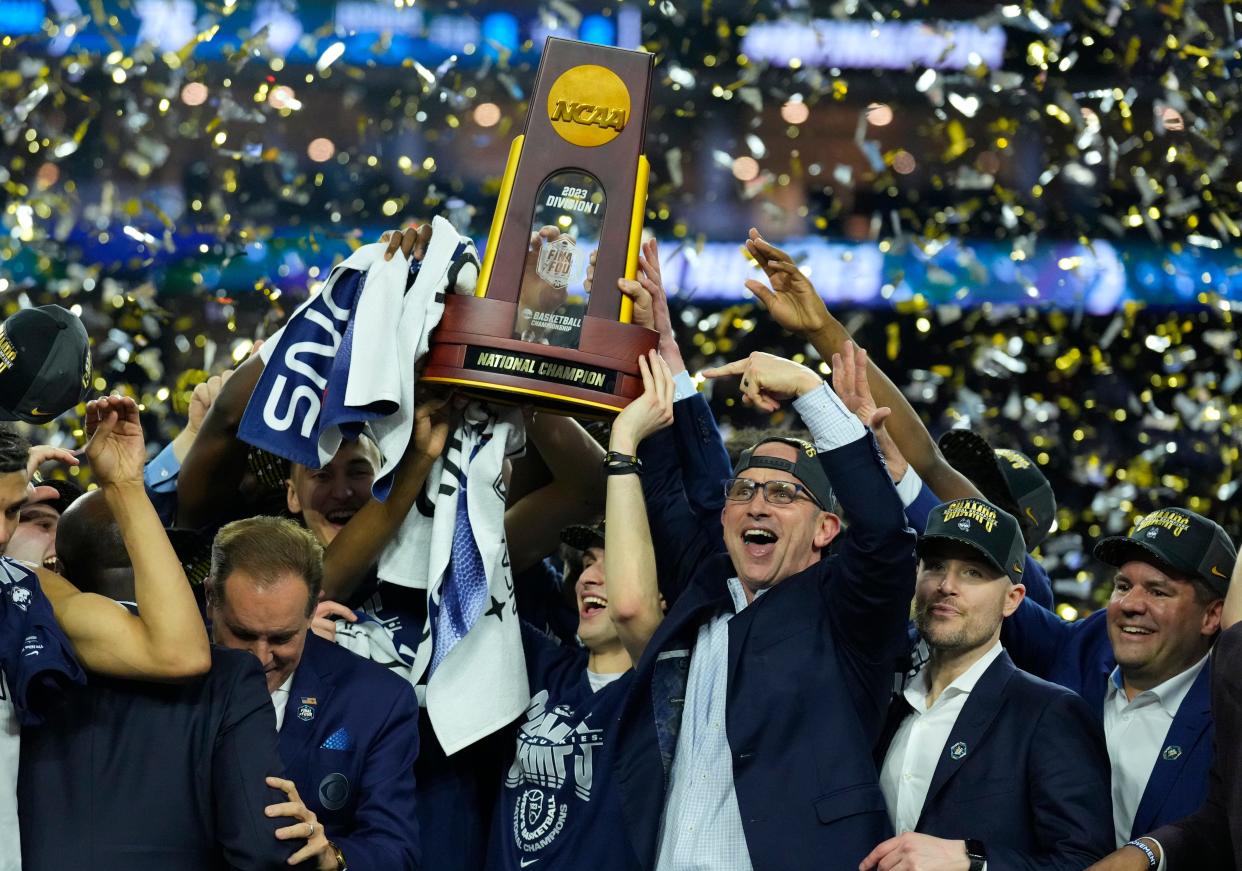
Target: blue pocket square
x,y
339,740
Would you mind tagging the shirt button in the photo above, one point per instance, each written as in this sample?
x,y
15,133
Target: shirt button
x,y
906,776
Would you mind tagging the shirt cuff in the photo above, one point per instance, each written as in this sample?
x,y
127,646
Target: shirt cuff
x,y
683,386
909,487
160,475
832,425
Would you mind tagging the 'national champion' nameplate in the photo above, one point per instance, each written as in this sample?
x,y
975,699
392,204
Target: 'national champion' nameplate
x,y
547,324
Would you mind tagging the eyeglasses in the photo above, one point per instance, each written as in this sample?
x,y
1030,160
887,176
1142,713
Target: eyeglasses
x,y
775,492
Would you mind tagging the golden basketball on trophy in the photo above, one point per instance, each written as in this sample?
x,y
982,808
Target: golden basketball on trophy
x,y
547,324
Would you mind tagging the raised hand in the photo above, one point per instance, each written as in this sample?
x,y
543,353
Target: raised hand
x,y
849,380
204,397
648,413
431,427
768,380
791,300
327,613
412,241
115,447
40,454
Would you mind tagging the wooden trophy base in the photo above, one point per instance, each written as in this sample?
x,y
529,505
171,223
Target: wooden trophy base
x,y
597,379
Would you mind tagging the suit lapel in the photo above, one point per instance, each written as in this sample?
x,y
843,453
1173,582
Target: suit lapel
x,y
1193,718
308,697
981,707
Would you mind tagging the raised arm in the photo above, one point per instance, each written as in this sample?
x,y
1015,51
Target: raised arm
x,y
575,493
629,558
166,639
212,470
357,547
794,304
1233,602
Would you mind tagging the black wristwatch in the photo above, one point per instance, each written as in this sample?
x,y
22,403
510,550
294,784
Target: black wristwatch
x,y
976,853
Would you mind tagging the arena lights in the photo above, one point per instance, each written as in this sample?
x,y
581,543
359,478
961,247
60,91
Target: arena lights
x,y
486,114
321,149
879,114
871,45
745,169
194,94
795,111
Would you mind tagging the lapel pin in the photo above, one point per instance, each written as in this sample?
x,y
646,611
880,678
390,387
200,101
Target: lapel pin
x,y
958,750
1172,752
306,710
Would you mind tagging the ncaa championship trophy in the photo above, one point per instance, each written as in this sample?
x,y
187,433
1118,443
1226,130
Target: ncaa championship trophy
x,y
547,324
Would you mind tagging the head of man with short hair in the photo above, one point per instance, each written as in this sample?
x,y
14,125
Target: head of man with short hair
x,y
775,517
34,540
14,482
970,576
1172,576
91,550
264,582
327,498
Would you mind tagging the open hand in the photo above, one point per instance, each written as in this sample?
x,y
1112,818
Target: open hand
x,y
648,413
768,380
115,447
791,300
849,380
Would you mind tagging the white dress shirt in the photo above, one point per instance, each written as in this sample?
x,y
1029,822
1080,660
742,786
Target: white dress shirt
x,y
1135,730
280,698
911,760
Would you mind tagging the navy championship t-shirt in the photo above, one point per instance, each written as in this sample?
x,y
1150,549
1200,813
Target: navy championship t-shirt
x,y
559,807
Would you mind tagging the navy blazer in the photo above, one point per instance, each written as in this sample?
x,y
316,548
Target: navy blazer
x,y
809,678
128,775
684,468
1025,770
1211,838
1079,656
349,740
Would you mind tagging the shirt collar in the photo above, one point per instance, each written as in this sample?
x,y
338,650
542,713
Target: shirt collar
x,y
1170,694
283,689
738,593
916,691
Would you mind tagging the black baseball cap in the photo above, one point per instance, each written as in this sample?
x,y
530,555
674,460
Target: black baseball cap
x,y
1008,479
583,537
45,364
1177,539
805,467
987,529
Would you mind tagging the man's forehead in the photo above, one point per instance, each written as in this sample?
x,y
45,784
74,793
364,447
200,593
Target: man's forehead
x,y
14,489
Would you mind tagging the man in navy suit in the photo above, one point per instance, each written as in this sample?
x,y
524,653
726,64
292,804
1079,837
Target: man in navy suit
x,y
98,773
1142,663
983,764
771,647
348,728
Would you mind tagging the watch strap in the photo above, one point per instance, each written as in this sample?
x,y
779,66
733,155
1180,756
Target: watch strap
x,y
977,854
